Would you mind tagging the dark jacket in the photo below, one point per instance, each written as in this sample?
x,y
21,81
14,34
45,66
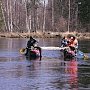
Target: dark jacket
x,y
31,42
64,42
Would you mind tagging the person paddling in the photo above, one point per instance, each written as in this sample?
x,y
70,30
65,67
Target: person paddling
x,y
73,43
30,44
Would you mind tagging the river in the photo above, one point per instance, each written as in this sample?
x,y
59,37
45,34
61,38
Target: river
x,y
50,73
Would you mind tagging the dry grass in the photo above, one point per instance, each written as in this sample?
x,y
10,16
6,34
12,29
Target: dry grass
x,y
45,35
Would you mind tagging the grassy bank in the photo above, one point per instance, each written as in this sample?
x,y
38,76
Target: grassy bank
x,y
44,35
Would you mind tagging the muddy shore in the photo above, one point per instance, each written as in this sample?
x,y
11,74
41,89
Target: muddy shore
x,y
44,35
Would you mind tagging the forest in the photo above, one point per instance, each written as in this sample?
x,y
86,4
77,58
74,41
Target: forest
x,y
44,15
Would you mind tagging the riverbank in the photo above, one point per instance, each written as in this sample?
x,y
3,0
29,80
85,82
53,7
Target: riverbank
x,y
44,35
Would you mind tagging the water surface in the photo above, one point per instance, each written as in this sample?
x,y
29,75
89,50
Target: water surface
x,y
50,73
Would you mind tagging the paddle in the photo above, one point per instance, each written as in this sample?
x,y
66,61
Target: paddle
x,y
85,57
22,50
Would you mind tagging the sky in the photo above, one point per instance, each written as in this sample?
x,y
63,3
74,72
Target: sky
x,y
46,1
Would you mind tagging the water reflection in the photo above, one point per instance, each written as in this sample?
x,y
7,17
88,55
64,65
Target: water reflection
x,y
84,45
70,74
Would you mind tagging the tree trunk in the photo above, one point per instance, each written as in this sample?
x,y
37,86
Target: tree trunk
x,y
11,26
8,15
44,12
53,15
3,16
69,16
27,21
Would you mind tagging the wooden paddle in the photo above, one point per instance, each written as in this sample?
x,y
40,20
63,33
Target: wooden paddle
x,y
22,50
85,57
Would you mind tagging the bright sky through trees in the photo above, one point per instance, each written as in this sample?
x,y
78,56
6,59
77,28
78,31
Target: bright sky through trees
x,y
46,1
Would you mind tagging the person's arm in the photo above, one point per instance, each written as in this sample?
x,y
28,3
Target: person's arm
x,y
76,43
34,41
29,44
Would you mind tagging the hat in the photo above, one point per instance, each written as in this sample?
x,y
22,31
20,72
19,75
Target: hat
x,y
30,37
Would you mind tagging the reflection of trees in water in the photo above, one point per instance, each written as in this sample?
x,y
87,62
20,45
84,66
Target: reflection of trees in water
x,y
84,75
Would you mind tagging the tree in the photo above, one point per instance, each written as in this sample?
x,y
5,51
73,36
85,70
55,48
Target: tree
x,y
2,17
45,15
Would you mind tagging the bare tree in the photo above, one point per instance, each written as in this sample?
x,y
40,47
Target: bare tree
x,y
44,12
52,14
27,21
2,9
45,15
11,25
69,7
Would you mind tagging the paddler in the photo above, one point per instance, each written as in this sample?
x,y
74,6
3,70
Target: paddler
x,y
30,44
64,42
73,43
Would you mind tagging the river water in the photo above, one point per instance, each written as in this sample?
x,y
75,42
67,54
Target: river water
x,y
50,73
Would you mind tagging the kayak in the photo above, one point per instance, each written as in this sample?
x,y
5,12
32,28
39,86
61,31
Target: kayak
x,y
32,53
68,54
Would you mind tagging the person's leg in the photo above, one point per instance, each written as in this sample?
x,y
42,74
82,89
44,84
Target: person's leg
x,y
26,51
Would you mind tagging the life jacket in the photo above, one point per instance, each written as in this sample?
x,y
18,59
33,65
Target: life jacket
x,y
73,43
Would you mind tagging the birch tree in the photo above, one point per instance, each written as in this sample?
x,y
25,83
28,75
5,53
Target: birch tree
x,y
27,21
2,16
53,15
44,13
11,26
69,11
